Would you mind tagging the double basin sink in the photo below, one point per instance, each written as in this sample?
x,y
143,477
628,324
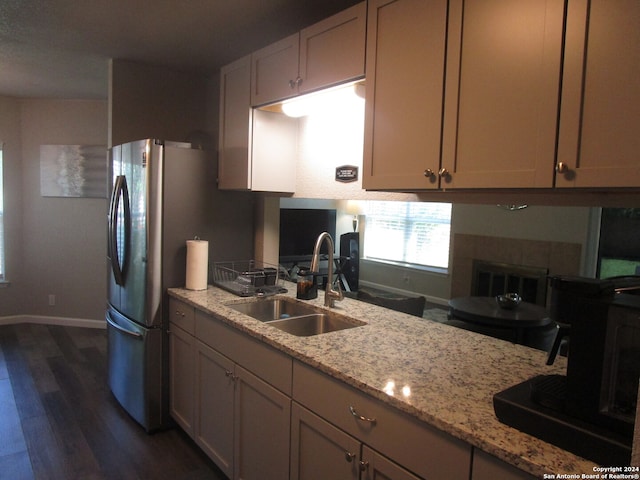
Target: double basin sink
x,y
295,317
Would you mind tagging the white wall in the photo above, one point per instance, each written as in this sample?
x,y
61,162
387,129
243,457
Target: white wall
x,y
54,245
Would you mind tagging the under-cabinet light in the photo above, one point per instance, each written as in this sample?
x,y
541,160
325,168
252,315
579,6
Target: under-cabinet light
x,y
329,100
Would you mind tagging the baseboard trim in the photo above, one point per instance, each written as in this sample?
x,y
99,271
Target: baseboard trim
x,y
405,293
45,320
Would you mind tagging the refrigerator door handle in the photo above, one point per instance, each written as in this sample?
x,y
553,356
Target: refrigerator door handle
x,y
118,265
123,330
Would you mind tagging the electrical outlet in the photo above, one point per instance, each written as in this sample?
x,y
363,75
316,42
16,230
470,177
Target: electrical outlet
x,y
52,300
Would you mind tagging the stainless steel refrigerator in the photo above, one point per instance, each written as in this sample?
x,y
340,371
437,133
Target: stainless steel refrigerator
x,y
159,200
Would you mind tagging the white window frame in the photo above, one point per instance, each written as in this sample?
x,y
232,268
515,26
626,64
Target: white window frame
x,y
410,234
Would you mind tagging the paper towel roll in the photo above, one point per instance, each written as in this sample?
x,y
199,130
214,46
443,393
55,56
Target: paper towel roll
x,y
197,263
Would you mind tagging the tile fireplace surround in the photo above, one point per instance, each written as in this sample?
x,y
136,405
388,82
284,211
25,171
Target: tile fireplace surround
x,y
560,258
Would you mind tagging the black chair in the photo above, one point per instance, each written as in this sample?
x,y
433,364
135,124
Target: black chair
x,y
411,305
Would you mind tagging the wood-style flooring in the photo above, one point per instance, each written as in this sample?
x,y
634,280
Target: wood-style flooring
x,y
59,420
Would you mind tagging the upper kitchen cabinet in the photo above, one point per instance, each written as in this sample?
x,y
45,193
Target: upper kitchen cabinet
x,y
235,122
502,93
404,94
257,149
599,141
325,54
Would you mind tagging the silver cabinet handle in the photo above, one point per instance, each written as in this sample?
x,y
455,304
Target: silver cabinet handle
x,y
364,466
429,173
349,456
360,417
179,313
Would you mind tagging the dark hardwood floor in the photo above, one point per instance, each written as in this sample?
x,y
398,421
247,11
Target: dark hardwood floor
x,y
59,420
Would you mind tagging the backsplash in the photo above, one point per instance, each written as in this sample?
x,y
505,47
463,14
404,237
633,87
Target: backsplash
x,y
560,258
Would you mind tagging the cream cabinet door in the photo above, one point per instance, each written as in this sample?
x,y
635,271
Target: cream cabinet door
x,y
234,160
320,451
215,406
502,93
327,53
332,51
274,71
262,429
404,93
488,467
181,383
377,467
599,143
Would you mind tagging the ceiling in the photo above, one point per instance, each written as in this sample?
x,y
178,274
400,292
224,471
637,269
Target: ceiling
x,y
61,48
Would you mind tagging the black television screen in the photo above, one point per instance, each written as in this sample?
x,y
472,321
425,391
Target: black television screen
x,y
299,230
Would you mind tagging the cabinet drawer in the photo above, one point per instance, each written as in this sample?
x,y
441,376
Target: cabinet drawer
x,y
424,450
182,315
270,365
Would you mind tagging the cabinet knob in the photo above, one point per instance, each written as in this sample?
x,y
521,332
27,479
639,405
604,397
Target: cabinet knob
x,y
295,83
364,466
562,167
179,313
444,173
429,173
349,456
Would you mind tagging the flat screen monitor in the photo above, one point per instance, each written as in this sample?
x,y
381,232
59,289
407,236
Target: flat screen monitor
x,y
299,230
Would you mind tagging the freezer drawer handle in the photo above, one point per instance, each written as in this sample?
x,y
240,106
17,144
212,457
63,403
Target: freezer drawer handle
x,y
123,330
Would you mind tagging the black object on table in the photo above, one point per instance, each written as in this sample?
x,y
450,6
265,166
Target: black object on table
x,y
486,311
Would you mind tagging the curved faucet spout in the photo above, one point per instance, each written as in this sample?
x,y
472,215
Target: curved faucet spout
x,y
330,295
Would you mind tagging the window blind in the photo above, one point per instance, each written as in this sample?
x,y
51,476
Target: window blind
x,y
413,233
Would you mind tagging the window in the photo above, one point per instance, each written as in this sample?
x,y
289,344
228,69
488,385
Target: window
x,y
408,233
1,219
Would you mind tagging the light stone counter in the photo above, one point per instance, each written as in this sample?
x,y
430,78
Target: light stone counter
x,y
451,374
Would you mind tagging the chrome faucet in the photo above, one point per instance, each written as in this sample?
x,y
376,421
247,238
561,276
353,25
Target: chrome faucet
x,y
330,295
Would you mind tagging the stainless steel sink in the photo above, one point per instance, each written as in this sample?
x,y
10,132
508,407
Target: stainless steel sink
x,y
270,309
314,324
294,317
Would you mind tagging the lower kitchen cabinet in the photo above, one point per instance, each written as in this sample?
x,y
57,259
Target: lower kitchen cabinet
x,y
181,364
320,451
242,419
262,424
242,423
214,411
488,467
426,451
377,467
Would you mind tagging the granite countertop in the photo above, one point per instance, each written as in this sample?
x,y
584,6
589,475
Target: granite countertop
x,y
451,374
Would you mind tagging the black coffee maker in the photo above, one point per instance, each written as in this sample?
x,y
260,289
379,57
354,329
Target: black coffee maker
x,y
589,411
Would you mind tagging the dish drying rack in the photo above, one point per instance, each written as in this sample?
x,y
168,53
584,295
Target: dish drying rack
x,y
249,278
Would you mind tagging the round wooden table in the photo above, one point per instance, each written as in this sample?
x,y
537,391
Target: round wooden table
x,y
486,311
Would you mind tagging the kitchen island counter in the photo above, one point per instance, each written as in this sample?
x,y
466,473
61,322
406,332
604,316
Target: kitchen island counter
x,y
438,374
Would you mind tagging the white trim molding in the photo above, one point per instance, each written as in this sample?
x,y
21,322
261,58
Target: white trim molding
x,y
45,320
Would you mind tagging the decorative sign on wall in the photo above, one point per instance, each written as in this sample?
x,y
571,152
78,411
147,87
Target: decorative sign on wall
x,y
347,173
73,171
